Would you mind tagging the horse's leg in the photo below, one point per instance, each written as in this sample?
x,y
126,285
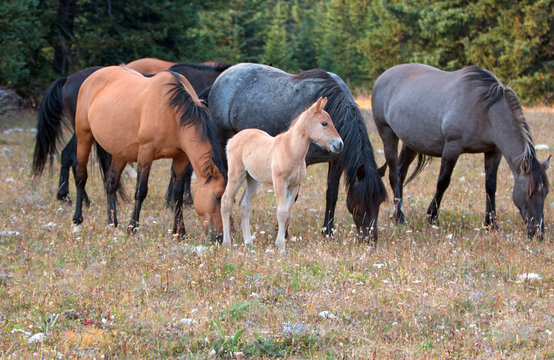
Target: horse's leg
x,y
178,173
67,160
169,200
246,207
144,164
292,195
112,180
84,144
281,193
235,179
187,196
390,144
492,161
333,180
406,157
450,155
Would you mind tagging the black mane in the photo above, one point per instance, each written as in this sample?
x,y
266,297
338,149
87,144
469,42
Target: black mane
x,y
351,126
191,114
217,68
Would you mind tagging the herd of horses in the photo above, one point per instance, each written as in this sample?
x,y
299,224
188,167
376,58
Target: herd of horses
x,y
150,109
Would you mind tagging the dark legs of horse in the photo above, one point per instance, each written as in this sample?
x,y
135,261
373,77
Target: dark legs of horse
x,y
179,174
390,142
68,160
84,144
450,156
143,172
333,181
187,194
492,160
112,180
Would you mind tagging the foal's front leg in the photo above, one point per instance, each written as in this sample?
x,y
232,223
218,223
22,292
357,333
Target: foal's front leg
x,y
283,195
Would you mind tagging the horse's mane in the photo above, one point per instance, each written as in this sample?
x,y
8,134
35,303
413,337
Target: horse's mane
x,y
192,114
494,91
218,67
351,126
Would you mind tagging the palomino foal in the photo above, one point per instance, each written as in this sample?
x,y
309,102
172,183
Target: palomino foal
x,y
254,155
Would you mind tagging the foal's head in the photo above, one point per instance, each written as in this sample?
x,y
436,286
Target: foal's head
x,y
321,128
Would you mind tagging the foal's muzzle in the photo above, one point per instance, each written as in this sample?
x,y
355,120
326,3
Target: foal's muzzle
x,y
335,145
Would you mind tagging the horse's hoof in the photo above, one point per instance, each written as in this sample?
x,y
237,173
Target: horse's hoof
x,y
77,228
64,198
187,201
132,229
433,220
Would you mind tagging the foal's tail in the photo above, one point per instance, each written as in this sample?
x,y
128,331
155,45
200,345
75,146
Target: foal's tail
x,y
49,129
422,161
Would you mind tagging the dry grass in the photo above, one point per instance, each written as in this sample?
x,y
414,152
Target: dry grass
x,y
424,292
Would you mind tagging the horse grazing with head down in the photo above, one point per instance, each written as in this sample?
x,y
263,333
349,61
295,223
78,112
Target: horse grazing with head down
x,y
444,114
255,156
262,97
140,119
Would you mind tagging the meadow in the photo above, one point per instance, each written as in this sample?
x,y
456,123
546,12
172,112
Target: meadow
x,y
455,291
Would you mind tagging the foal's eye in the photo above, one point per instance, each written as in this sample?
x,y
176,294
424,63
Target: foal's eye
x,y
324,123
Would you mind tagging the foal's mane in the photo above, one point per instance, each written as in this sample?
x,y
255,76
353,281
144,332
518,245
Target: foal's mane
x,y
495,91
192,114
351,126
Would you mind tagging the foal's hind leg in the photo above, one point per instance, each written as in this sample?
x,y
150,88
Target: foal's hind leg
x,y
246,207
492,160
112,181
450,155
144,163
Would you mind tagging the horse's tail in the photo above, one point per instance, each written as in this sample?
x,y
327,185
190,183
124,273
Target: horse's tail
x,y
104,159
49,129
422,161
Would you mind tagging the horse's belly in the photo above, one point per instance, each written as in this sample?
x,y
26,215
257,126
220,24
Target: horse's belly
x,y
421,136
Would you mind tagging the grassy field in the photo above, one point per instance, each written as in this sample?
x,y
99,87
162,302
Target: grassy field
x,y
454,291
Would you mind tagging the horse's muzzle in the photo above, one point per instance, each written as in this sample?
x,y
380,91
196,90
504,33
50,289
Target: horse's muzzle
x,y
535,229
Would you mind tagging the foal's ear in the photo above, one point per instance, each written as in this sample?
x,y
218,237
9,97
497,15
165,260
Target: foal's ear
x,y
321,103
546,163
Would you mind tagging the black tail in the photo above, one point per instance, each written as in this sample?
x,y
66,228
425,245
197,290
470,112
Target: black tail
x,y
203,95
382,170
105,159
49,129
422,161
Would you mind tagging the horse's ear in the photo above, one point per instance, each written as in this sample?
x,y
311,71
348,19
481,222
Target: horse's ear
x,y
525,166
546,163
360,173
321,103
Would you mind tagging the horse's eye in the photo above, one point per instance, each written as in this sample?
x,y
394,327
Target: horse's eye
x,y
324,123
217,197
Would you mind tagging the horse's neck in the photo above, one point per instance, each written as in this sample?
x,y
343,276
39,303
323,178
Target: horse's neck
x,y
297,139
507,137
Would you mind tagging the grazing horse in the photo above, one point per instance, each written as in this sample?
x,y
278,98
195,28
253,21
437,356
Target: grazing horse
x,y
255,156
444,114
141,119
269,99
61,99
149,65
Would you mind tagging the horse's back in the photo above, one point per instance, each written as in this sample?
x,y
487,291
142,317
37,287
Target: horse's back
x,y
149,65
425,106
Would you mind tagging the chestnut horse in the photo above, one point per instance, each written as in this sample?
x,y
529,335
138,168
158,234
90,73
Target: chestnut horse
x,y
141,119
149,65
255,156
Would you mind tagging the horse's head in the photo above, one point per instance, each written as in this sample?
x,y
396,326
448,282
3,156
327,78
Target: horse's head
x,y
321,127
207,203
530,190
363,207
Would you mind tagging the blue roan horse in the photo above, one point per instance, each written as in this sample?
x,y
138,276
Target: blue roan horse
x,y
263,97
445,114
